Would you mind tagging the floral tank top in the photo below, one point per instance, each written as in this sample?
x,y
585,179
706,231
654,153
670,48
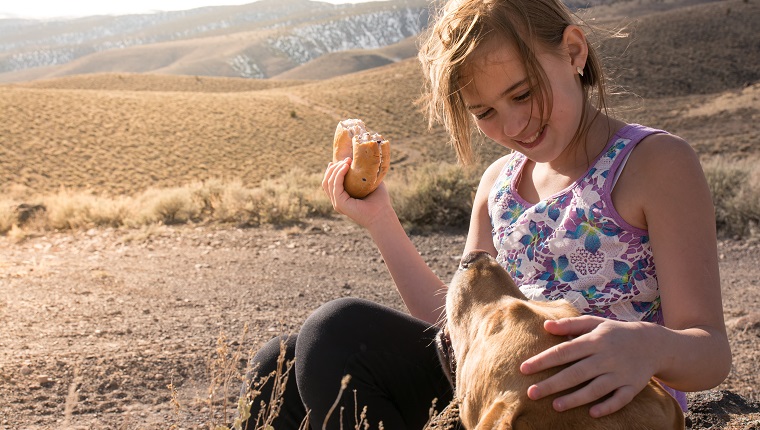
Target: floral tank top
x,y
574,245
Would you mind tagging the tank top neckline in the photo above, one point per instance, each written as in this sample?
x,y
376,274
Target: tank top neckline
x,y
521,166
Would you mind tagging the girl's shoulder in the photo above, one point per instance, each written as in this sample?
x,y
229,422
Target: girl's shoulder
x,y
497,166
661,169
661,151
493,171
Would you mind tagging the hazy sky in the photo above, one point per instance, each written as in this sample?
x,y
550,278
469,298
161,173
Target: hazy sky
x,y
75,8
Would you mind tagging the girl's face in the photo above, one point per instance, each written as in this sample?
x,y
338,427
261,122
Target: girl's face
x,y
496,90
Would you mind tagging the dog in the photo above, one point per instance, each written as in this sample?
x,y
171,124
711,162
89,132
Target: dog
x,y
493,328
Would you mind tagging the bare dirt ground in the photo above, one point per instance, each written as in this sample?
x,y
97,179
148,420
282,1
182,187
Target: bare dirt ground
x,y
96,324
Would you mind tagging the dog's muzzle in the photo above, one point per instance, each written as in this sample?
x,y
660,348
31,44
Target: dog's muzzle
x,y
446,356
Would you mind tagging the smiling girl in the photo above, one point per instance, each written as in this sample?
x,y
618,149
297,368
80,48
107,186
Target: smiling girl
x,y
616,218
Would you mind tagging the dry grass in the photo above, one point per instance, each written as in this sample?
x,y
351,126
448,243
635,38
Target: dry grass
x,y
431,196
226,376
286,200
125,141
130,150
735,187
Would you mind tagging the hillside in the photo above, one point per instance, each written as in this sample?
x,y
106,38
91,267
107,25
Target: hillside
x,y
152,82
345,62
263,39
124,141
697,49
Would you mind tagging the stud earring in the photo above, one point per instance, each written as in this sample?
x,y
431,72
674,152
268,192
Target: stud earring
x,y
580,71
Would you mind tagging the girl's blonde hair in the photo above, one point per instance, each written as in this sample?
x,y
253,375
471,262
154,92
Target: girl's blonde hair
x,y
462,25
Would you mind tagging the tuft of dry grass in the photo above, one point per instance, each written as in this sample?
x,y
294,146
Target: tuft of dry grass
x,y
735,188
434,196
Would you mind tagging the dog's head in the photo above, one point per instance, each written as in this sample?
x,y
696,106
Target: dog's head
x,y
493,329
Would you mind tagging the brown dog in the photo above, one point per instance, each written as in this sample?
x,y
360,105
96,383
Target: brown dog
x,y
494,328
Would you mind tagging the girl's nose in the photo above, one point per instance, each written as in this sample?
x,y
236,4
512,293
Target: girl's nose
x,y
513,123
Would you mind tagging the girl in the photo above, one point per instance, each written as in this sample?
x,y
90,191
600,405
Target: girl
x,y
617,218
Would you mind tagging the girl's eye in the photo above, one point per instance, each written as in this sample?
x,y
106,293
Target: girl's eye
x,y
483,115
522,97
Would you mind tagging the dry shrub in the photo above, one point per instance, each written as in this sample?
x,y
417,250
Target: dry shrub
x,y
64,210
167,206
735,188
208,196
434,196
75,210
288,199
285,200
7,216
68,210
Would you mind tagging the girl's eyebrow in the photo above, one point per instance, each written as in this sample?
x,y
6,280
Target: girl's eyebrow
x,y
503,93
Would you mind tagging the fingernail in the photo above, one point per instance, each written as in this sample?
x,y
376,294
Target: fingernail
x,y
559,406
533,393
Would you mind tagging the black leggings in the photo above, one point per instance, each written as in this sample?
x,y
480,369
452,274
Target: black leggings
x,y
390,356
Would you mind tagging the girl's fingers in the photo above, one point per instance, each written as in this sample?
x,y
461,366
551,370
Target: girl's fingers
x,y
564,353
619,399
567,378
326,177
572,326
594,390
333,181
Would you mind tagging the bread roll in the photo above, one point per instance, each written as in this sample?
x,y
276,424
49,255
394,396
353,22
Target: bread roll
x,y
370,153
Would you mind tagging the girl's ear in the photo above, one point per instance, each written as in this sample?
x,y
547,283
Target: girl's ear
x,y
574,40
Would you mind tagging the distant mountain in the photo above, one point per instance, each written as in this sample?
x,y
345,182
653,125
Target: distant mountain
x,y
257,40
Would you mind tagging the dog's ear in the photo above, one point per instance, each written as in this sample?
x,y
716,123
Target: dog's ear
x,y
499,416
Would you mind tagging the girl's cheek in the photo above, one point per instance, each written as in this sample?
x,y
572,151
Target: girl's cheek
x,y
489,127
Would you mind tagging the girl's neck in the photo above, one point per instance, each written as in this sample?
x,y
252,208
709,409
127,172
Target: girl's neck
x,y
579,155
539,180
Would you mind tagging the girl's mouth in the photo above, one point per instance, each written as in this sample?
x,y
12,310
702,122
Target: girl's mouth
x,y
533,140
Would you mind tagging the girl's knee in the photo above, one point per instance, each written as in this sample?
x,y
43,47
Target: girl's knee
x,y
335,315
265,359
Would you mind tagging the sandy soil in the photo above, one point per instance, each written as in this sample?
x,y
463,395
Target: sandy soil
x,y
97,324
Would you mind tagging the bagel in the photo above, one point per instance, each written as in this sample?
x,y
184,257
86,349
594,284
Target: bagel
x,y
370,154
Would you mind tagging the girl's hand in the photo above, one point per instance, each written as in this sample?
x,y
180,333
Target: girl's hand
x,y
612,357
364,212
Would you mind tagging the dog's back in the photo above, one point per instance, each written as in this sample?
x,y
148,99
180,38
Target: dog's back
x,y
493,329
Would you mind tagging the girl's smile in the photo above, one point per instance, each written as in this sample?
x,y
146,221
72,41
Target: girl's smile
x,y
534,140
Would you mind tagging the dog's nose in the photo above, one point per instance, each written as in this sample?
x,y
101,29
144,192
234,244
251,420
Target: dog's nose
x,y
472,257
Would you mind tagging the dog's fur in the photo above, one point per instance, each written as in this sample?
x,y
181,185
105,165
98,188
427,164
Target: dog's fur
x,y
494,328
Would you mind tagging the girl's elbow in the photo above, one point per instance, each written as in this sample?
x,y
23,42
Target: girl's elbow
x,y
722,359
726,361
